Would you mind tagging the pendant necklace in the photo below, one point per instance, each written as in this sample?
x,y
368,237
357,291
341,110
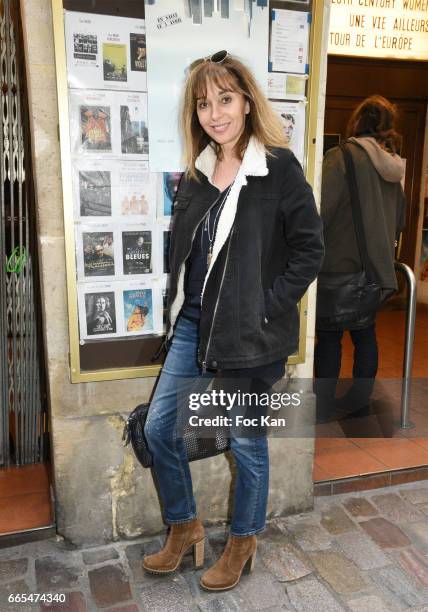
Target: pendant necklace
x,y
211,234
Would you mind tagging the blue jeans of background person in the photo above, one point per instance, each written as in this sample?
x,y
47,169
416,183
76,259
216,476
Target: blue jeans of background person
x,y
169,454
327,362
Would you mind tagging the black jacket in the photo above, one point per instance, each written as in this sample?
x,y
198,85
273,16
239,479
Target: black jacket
x,y
268,249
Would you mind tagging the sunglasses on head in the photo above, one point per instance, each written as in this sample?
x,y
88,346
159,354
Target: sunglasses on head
x,y
215,58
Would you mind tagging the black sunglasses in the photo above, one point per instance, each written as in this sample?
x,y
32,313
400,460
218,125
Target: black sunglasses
x,y
215,58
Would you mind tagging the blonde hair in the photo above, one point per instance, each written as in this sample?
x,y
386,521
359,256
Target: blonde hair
x,y
230,74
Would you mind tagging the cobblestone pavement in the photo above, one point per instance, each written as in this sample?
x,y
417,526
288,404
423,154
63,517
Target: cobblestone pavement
x,y
363,552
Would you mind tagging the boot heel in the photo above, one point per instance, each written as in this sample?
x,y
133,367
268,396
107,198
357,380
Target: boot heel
x,y
198,553
251,562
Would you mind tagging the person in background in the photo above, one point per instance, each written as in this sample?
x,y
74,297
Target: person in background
x,y
373,142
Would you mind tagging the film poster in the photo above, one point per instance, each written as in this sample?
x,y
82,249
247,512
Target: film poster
x,y
137,252
105,52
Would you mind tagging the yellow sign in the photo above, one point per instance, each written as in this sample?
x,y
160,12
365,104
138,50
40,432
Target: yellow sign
x,y
396,29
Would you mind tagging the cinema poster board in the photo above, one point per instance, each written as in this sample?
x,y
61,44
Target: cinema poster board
x,y
110,311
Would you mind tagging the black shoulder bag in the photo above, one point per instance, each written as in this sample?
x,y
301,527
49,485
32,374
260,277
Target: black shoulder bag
x,y
196,447
349,300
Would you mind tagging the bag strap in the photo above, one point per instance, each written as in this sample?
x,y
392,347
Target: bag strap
x,y
356,213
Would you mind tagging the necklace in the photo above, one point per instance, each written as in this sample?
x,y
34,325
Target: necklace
x,y
206,229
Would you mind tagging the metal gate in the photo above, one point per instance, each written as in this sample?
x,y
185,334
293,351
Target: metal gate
x,y
23,417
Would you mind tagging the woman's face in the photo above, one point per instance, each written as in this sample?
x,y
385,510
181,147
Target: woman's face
x,y
222,114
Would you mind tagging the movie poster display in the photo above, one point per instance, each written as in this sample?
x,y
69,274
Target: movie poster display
x,y
292,116
177,35
109,124
122,191
123,72
109,310
97,310
168,183
105,52
140,304
95,255
137,249
136,191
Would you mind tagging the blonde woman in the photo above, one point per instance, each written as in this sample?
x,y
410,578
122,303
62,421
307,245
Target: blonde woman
x,y
246,243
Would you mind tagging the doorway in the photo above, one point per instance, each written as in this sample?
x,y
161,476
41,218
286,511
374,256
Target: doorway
x,y
342,462
25,491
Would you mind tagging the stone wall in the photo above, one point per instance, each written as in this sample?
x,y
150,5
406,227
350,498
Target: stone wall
x,y
101,492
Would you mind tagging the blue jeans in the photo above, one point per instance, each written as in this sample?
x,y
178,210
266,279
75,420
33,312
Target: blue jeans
x,y
170,463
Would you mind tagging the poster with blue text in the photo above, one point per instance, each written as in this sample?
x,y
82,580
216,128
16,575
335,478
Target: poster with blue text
x,y
178,33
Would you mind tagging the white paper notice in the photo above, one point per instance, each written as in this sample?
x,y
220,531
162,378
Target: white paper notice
x,y
105,52
289,42
292,115
286,86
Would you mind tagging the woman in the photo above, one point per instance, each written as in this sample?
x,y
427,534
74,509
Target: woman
x,y
373,143
246,243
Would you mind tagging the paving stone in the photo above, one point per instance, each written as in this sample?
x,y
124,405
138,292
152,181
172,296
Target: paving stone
x,y
192,578
418,532
90,557
341,574
109,585
74,602
393,581
370,603
309,595
415,565
168,595
135,554
54,574
394,508
286,562
225,603
384,533
127,608
6,589
13,568
360,506
336,521
310,536
415,496
261,591
360,549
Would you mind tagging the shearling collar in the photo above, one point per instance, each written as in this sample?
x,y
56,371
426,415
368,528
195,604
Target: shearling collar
x,y
253,163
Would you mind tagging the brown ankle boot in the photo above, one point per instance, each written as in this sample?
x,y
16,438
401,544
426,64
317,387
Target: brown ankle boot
x,y
181,538
226,573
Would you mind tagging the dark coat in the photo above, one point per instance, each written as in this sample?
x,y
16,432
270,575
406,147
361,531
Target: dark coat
x,y
268,249
382,201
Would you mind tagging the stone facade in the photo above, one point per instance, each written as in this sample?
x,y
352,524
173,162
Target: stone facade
x,y
101,492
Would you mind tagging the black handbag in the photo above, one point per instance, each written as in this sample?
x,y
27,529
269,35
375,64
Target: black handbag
x,y
196,447
349,300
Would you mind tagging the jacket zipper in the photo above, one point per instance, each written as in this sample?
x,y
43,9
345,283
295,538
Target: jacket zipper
x,y
204,362
191,243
